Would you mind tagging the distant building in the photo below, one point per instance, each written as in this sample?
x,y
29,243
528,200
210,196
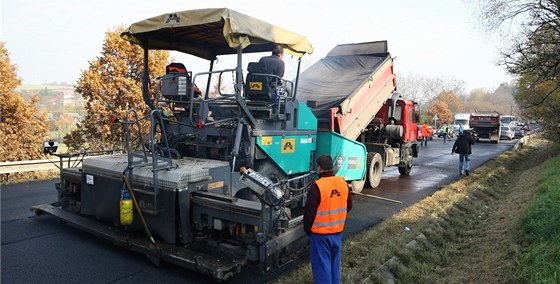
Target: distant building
x,y
69,96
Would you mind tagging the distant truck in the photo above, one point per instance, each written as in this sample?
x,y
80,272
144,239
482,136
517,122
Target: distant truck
x,y
460,119
486,125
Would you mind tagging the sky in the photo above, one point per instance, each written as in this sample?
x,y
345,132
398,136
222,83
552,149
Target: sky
x,y
54,40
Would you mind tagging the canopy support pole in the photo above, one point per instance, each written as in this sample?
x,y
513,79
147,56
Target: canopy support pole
x,y
146,80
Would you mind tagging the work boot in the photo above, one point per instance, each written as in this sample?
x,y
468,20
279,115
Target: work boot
x,y
467,172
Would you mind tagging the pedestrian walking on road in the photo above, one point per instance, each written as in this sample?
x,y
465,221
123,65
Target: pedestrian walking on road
x,y
425,131
328,203
462,146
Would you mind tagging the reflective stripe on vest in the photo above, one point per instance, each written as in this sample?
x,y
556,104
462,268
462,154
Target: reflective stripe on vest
x,y
331,213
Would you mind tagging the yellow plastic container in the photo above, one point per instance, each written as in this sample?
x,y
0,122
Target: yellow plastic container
x,y
126,212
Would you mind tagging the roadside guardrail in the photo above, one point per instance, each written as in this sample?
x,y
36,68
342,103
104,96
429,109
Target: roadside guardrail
x,y
58,161
37,165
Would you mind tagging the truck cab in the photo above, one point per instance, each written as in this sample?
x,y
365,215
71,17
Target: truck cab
x,y
461,119
405,115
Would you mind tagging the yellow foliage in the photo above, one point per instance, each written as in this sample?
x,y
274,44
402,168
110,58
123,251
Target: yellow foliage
x,y
111,86
442,110
22,127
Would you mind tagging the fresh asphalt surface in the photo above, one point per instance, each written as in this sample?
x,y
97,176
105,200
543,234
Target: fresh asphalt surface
x,y
40,249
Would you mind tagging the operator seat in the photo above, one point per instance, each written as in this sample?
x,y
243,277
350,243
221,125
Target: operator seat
x,y
258,84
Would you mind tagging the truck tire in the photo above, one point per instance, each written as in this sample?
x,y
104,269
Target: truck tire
x,y
358,185
405,170
374,169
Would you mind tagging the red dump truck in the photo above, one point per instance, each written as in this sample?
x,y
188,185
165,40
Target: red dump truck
x,y
352,91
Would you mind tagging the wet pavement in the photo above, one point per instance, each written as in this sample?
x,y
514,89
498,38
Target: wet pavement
x,y
434,168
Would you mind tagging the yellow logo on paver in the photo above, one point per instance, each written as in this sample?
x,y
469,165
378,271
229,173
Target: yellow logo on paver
x,y
288,145
266,140
255,86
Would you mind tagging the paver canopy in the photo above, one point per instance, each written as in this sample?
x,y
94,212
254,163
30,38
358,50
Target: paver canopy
x,y
207,33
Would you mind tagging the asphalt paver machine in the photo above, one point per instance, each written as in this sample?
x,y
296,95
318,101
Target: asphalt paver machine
x,y
220,180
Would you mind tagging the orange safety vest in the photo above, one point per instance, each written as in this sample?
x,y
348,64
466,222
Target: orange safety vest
x,y
425,130
331,213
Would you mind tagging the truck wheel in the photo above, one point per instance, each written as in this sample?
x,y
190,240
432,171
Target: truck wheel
x,y
375,169
405,170
358,185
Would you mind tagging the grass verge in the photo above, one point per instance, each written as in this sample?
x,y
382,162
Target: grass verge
x,y
467,232
539,255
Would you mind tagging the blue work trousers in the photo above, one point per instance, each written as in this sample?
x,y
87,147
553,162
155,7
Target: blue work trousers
x,y
326,251
466,160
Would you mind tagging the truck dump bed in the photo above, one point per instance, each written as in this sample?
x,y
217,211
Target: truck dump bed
x,y
486,125
349,86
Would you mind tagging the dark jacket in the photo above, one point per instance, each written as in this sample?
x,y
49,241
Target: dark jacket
x,y
463,144
274,65
313,201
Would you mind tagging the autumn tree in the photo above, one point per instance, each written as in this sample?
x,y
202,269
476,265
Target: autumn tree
x,y
441,108
445,105
531,95
539,89
23,128
533,52
533,49
500,100
453,102
111,86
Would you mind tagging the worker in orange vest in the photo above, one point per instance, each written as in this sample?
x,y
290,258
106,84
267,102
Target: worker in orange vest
x,y
328,203
425,131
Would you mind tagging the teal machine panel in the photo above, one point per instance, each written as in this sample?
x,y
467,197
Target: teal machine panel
x,y
306,120
349,156
291,153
